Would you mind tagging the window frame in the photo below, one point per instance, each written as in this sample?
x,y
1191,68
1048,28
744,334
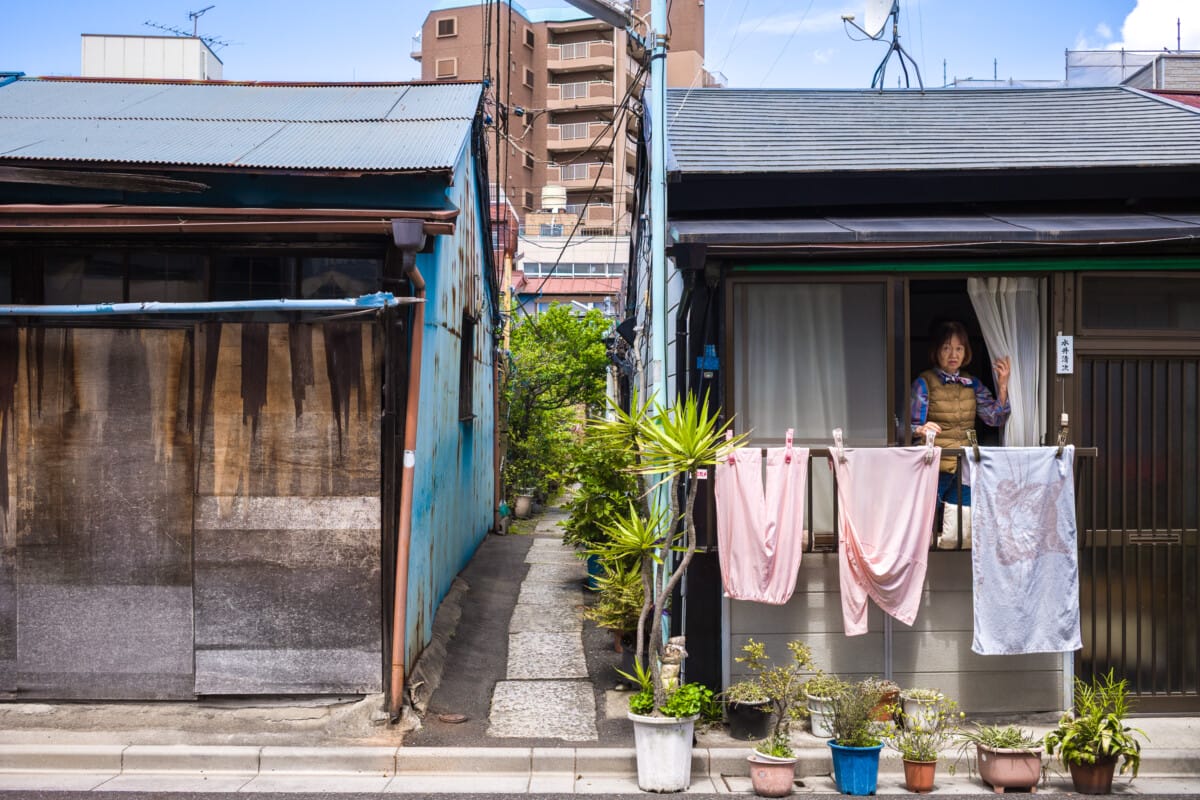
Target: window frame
x,y
453,28
437,68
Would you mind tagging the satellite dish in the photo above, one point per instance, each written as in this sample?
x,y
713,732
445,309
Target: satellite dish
x,y
878,12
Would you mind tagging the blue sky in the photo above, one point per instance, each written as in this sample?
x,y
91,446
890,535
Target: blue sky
x,y
752,42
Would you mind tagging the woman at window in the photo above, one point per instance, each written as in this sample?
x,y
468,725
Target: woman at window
x,y
946,400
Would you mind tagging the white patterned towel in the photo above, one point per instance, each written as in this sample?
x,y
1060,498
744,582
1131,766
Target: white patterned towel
x,y
1025,555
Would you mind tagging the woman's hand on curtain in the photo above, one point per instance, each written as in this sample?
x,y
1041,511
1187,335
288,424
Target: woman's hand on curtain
x,y
1001,368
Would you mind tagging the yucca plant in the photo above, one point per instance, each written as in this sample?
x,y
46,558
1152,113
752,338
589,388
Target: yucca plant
x,y
671,443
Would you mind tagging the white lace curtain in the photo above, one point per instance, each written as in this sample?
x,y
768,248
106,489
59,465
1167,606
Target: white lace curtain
x,y
1011,312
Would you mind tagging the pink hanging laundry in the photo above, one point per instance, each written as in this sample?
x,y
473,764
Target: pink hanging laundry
x,y
887,497
761,537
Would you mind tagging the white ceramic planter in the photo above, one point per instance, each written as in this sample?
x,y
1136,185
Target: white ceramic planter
x,y
664,752
919,714
820,715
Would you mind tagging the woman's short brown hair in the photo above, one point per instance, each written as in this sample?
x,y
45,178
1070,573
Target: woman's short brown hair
x,y
943,333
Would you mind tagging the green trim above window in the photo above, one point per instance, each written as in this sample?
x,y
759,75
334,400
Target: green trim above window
x,y
1007,265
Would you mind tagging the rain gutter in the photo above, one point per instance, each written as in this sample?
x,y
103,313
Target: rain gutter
x,y
409,237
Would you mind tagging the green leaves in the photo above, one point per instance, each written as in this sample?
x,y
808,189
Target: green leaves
x,y
632,538
1097,730
682,438
688,700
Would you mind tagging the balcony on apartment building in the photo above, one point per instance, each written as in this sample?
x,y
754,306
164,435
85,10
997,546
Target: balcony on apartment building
x,y
582,176
415,52
578,136
580,95
580,56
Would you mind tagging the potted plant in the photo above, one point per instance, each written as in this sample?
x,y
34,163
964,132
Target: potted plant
x,y
618,604
1008,756
856,741
920,707
820,691
748,711
668,444
773,763
1090,741
920,741
889,698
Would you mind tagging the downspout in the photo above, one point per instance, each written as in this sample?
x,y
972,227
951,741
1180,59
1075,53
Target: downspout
x,y
409,238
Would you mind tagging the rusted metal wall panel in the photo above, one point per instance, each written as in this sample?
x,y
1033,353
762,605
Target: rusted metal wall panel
x,y
287,510
453,490
99,515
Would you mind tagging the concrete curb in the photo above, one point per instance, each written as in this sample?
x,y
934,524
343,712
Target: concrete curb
x,y
541,762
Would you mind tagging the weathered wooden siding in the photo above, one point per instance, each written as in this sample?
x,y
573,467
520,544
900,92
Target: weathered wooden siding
x,y
97,518
287,509
934,652
453,492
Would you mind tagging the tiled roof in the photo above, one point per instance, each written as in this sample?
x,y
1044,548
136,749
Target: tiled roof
x,y
730,131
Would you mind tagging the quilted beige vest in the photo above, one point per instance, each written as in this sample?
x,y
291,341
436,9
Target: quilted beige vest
x,y
951,405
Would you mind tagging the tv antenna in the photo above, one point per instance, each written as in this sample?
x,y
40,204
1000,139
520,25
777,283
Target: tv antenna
x,y
213,42
874,27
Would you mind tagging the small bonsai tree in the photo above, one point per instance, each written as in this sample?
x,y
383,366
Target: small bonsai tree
x,y
781,684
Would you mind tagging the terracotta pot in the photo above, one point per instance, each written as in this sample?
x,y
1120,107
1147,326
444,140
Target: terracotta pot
x,y
885,709
1002,767
918,775
772,777
1094,778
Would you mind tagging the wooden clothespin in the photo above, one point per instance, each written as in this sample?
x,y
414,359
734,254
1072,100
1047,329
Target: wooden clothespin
x,y
1064,424
787,455
838,446
929,438
973,440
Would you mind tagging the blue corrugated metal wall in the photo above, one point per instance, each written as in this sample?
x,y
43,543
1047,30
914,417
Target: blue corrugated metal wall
x,y
453,491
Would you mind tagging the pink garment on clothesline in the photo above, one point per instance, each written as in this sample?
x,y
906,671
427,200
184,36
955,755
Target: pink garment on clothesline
x,y
761,537
887,497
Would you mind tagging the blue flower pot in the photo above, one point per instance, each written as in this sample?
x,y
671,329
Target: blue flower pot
x,y
595,569
855,769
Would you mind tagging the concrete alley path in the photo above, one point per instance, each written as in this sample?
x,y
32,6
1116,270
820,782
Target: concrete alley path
x,y
546,692
522,665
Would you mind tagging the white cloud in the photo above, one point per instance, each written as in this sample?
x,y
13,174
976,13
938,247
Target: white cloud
x,y
1151,25
1104,32
824,56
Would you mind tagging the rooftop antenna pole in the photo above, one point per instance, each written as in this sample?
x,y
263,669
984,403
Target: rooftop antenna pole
x,y
1178,37
195,16
902,56
995,69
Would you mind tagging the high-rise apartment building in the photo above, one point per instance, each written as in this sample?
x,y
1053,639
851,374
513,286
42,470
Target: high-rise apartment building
x,y
565,97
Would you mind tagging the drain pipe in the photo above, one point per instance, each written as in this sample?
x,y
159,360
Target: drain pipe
x,y
409,237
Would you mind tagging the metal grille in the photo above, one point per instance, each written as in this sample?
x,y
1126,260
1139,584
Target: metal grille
x,y
1140,554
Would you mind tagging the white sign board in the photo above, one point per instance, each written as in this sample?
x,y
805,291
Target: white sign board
x,y
1064,350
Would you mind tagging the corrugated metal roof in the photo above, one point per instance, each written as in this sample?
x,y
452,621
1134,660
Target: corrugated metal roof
x,y
340,127
784,131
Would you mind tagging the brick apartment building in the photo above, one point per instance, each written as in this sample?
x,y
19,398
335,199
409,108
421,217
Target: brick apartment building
x,y
568,73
